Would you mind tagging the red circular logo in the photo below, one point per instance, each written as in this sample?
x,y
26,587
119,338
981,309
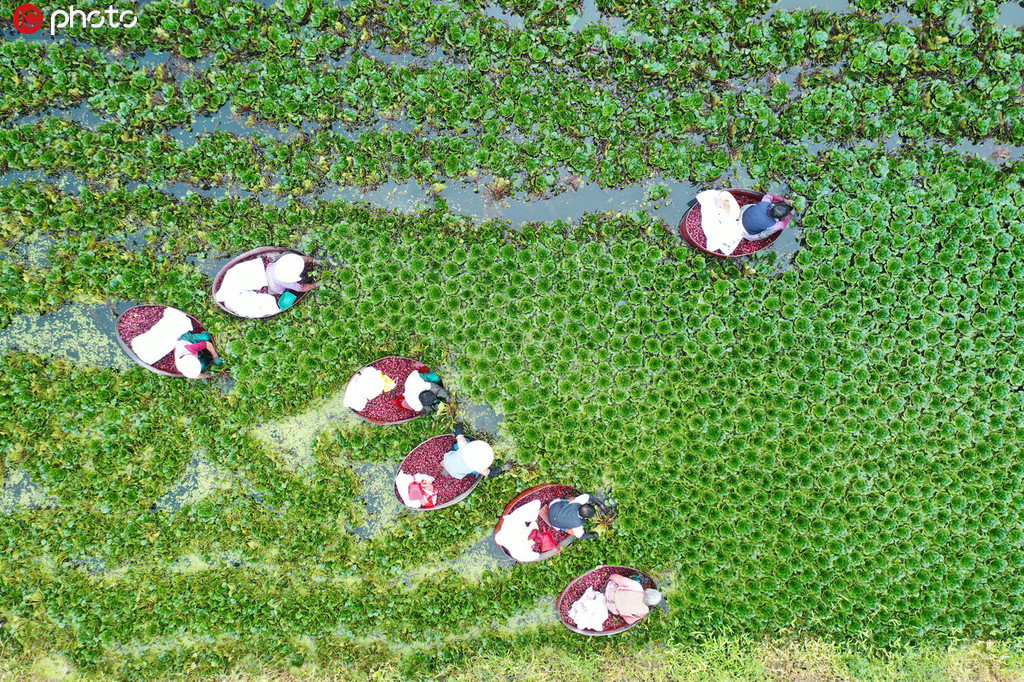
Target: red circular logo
x,y
28,18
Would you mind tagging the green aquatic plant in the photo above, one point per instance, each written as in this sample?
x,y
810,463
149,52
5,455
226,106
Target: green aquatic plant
x,y
832,379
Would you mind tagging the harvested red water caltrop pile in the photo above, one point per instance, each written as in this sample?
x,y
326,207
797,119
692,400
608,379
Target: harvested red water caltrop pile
x,y
545,495
426,459
141,319
382,408
598,579
166,364
138,321
746,247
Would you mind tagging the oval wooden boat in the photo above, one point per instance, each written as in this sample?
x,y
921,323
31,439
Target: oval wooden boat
x,y
426,458
544,493
691,230
261,252
597,578
136,321
381,410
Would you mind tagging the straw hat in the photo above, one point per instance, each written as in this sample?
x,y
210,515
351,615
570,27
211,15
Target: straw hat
x,y
477,454
189,365
289,267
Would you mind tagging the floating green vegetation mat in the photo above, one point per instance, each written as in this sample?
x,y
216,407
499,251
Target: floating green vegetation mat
x,y
831,451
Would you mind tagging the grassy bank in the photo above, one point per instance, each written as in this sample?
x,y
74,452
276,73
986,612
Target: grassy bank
x,y
772,660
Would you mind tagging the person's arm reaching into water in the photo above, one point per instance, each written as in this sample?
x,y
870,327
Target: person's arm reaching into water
x,y
195,348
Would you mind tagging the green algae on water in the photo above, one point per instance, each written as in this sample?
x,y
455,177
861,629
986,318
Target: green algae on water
x,y
291,439
21,492
471,564
81,332
200,480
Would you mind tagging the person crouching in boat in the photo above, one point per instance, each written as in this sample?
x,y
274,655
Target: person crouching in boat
x,y
471,457
423,392
765,218
627,598
194,353
240,288
289,273
570,515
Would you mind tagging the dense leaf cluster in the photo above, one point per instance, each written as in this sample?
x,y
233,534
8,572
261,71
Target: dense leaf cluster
x,y
535,101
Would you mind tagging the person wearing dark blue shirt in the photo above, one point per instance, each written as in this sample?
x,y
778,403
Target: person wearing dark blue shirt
x,y
570,515
765,218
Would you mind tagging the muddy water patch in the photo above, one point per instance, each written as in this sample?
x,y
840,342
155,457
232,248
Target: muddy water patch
x,y
136,240
182,190
817,146
406,60
84,116
407,197
578,199
81,332
1011,14
479,202
200,480
378,492
67,182
784,250
225,383
903,17
498,12
209,265
80,114
991,150
21,492
833,6
91,565
226,120
590,14
480,417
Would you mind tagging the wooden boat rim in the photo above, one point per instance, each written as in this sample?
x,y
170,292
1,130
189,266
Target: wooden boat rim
x,y
241,258
137,360
593,633
455,500
685,233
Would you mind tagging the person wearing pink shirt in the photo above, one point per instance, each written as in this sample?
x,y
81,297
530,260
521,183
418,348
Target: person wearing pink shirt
x,y
627,598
